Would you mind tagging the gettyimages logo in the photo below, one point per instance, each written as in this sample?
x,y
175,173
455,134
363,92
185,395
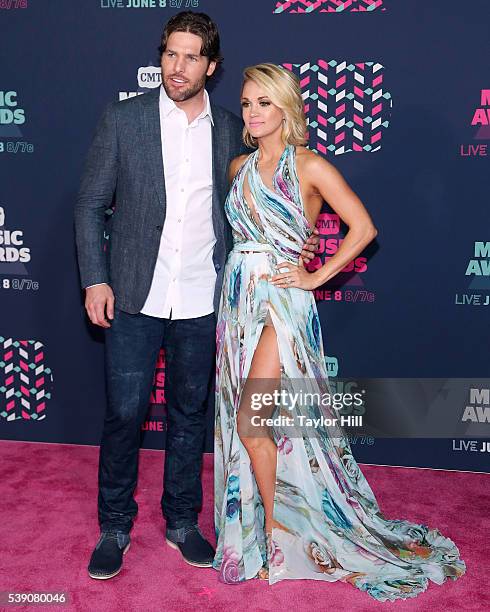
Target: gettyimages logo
x,y
347,106
478,269
148,77
330,240
480,121
25,380
329,6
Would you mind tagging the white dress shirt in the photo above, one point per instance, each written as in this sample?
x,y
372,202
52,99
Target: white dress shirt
x,y
184,277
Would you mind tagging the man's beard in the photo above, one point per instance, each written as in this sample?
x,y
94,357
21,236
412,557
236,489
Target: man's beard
x,y
185,94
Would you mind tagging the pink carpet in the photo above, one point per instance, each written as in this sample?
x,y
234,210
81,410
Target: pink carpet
x,y
48,530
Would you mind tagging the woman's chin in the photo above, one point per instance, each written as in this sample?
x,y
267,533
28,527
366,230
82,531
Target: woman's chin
x,y
256,133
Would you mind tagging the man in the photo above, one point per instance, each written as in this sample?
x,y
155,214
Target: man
x,y
164,156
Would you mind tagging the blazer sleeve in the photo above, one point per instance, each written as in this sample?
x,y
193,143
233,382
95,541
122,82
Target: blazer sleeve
x,y
95,195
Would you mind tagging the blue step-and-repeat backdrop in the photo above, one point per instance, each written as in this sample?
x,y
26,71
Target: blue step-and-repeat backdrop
x,y
397,94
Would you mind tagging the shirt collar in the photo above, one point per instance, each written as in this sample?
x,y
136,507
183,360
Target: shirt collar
x,y
167,105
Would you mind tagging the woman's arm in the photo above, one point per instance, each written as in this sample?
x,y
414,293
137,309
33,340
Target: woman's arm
x,y
318,177
341,198
235,165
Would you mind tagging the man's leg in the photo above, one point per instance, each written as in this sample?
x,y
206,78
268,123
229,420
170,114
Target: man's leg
x,y
189,368
132,346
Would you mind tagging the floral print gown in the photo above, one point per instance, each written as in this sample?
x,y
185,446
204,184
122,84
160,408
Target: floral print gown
x,y
335,530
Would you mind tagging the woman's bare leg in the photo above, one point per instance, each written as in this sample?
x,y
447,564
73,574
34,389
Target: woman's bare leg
x,y
264,377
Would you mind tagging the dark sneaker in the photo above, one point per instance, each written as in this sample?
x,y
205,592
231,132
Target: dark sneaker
x,y
193,546
107,558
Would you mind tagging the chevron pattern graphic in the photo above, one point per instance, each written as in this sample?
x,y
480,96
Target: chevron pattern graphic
x,y
346,105
27,382
329,6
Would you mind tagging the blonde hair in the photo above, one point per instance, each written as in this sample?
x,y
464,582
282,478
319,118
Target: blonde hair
x,y
284,90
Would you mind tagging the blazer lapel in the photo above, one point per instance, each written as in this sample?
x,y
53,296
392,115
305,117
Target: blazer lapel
x,y
220,164
151,134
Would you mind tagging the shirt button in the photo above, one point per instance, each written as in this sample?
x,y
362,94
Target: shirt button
x,y
179,220
182,190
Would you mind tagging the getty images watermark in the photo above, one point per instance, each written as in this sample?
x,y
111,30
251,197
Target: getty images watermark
x,y
298,408
396,408
295,401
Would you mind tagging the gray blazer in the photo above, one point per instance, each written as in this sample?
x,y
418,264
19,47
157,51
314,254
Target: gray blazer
x,y
125,164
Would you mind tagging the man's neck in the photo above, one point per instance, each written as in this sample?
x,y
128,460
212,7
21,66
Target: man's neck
x,y
194,106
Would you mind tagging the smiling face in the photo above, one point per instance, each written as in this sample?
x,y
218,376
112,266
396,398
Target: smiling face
x,y
184,69
260,115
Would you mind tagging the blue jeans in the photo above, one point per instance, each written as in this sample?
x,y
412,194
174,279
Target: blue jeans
x,y
132,346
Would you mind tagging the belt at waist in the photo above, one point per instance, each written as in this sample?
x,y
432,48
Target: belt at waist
x,y
254,247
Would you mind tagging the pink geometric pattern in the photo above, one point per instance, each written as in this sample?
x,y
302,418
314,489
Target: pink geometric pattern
x,y
27,382
346,105
328,6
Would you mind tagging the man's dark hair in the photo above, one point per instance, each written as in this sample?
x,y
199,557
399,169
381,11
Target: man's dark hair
x,y
199,24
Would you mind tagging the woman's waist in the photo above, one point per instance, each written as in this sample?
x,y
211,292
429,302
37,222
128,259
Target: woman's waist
x,y
252,246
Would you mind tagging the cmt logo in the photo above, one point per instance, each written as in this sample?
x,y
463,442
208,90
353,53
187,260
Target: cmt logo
x,y
328,224
347,105
25,380
478,410
148,77
329,6
332,365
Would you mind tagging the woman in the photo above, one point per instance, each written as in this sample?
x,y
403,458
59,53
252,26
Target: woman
x,y
291,501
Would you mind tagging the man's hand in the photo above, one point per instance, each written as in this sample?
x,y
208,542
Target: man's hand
x,y
310,246
99,304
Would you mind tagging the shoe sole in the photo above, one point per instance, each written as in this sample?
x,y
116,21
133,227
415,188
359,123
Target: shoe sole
x,y
107,576
193,563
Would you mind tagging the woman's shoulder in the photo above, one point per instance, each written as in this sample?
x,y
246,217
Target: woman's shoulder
x,y
308,157
236,163
310,162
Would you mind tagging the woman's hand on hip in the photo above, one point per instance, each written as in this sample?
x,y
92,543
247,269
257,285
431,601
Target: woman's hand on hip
x,y
294,276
